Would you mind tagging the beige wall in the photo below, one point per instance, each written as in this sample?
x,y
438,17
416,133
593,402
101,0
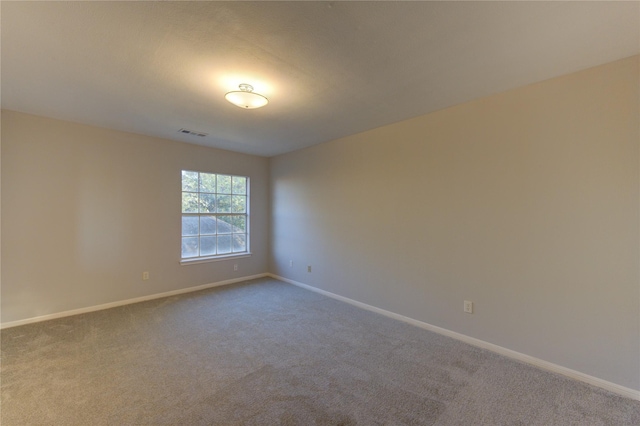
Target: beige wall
x,y
525,202
86,210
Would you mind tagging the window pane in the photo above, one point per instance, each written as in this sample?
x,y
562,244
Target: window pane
x,y
190,247
189,181
207,182
224,225
238,203
214,220
239,185
224,184
239,223
224,203
207,246
207,203
239,242
224,244
189,225
207,224
189,202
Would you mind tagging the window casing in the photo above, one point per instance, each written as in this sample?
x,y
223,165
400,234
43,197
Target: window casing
x,y
215,215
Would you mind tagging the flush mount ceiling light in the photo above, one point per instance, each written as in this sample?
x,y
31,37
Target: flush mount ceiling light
x,y
246,98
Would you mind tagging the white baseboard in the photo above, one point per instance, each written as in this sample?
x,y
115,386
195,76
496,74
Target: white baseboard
x,y
126,302
573,374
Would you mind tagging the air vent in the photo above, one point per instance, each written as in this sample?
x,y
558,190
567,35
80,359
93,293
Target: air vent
x,y
193,133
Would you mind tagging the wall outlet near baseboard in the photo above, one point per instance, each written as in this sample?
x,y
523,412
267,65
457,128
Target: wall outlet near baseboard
x,y
290,263
145,275
235,267
468,306
308,268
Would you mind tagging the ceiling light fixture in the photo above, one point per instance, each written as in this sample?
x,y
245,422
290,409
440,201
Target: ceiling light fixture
x,y
246,98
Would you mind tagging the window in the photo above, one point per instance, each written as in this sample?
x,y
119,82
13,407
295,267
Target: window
x,y
215,215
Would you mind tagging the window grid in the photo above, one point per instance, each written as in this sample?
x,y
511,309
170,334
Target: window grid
x,y
214,215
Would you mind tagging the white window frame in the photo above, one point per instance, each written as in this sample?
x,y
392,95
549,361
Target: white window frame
x,y
205,233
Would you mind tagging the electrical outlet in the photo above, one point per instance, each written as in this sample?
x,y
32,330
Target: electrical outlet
x,y
468,306
309,268
290,263
145,275
235,267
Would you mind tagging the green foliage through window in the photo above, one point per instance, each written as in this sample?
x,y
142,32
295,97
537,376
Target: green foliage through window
x,y
214,214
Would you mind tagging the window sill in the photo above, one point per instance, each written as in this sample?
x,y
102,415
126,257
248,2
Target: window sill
x,y
193,261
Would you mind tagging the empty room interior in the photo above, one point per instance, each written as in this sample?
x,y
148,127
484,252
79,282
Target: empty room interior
x,y
320,213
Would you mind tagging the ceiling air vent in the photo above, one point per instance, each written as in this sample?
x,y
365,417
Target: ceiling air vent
x,y
193,132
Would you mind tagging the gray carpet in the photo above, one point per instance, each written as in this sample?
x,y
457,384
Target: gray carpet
x,y
268,353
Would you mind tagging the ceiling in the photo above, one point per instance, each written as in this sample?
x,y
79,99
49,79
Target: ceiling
x,y
329,69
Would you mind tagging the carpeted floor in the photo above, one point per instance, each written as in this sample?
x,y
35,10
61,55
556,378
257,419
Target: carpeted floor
x,y
269,353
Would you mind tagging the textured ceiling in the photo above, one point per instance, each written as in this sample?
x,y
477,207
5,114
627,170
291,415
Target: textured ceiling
x,y
328,69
